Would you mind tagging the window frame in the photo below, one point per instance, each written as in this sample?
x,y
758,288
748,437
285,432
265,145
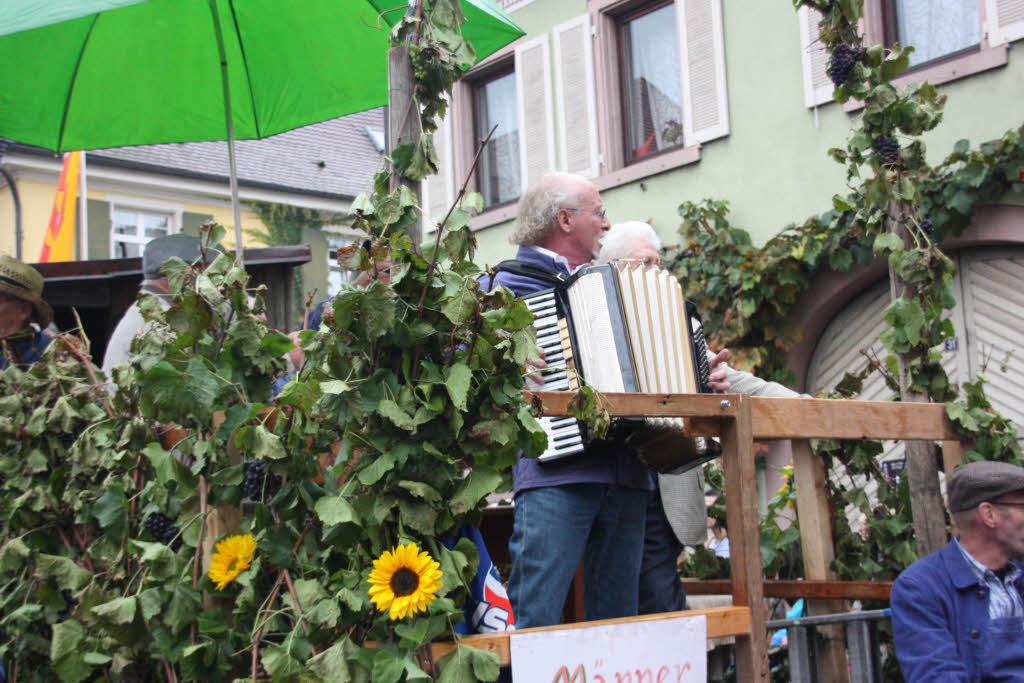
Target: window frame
x,y
621,19
463,113
174,212
606,17
951,67
502,69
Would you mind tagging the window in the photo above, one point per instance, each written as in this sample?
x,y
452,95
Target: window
x,y
952,39
498,172
935,29
651,82
660,84
131,229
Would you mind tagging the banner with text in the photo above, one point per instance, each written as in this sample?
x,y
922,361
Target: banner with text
x,y
657,651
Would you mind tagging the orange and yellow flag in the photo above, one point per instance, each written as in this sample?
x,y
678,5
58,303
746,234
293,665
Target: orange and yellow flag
x,y
59,244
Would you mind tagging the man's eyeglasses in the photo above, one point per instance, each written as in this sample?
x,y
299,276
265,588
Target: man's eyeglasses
x,y
599,214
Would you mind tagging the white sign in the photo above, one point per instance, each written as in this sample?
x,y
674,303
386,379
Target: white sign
x,y
670,650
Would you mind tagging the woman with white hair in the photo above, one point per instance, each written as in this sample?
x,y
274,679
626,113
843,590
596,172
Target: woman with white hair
x,y
631,241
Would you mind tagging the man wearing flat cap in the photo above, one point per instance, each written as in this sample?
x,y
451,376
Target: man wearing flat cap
x,y
958,614
154,255
23,314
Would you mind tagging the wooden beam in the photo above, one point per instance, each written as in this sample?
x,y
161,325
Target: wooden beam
x,y
794,590
819,418
744,539
952,455
814,513
722,622
779,418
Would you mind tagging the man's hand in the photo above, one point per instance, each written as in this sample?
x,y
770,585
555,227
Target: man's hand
x,y
296,356
717,381
534,380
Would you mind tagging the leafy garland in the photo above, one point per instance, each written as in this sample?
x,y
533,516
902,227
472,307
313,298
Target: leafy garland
x,y
297,540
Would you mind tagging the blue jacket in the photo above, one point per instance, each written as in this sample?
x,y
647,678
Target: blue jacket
x,y
30,349
603,462
941,626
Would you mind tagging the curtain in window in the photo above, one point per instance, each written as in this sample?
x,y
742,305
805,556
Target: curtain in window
x,y
936,29
655,99
499,172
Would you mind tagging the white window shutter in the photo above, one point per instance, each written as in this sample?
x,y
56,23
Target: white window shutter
x,y
1004,21
817,86
439,189
702,55
575,90
536,124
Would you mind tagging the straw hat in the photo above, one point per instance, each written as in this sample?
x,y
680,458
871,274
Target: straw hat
x,y
25,282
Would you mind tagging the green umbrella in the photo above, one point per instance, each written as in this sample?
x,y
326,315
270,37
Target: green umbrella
x,y
90,74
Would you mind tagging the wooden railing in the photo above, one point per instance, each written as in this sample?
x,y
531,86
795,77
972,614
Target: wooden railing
x,y
738,420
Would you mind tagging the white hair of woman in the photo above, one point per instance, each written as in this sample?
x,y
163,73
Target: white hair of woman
x,y
620,241
538,209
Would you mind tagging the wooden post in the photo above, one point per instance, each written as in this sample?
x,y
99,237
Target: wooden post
x,y
403,122
952,455
922,471
817,542
744,538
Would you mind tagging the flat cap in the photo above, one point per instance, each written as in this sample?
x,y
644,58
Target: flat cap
x,y
972,484
160,250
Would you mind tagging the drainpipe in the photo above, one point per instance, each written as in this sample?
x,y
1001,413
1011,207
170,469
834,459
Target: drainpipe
x,y
17,200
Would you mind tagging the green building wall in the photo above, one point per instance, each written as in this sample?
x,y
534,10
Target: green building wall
x,y
773,167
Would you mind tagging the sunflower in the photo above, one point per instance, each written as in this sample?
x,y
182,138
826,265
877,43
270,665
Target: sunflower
x,y
404,581
232,557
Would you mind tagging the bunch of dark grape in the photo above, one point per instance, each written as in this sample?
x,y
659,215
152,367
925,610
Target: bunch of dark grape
x,y
888,150
260,485
927,226
163,530
840,64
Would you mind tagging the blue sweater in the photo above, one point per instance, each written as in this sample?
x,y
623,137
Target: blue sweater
x,y
941,626
602,462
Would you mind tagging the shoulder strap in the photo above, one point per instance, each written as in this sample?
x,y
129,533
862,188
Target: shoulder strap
x,y
529,270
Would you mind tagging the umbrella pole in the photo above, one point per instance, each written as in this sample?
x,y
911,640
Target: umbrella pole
x,y
229,121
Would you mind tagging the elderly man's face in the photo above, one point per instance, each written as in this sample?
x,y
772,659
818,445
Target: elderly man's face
x,y
14,314
1009,530
587,221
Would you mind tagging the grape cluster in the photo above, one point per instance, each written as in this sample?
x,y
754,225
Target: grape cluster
x,y
887,149
260,485
162,529
927,226
842,61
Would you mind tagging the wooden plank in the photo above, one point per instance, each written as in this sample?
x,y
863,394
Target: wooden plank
x,y
816,538
744,539
952,455
722,622
644,405
794,590
779,418
819,418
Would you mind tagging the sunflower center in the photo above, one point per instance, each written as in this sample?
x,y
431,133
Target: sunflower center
x,y
404,582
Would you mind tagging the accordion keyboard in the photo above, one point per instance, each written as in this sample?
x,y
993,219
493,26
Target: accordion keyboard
x,y
565,435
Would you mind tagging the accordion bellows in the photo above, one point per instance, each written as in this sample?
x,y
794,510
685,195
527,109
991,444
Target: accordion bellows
x,y
624,329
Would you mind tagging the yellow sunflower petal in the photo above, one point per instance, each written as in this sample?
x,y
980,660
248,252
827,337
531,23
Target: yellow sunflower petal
x,y
232,556
410,559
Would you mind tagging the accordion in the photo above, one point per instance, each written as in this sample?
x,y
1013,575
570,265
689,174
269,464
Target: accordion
x,y
625,329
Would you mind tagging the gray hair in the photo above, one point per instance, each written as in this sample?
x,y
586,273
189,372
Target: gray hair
x,y
538,209
617,242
